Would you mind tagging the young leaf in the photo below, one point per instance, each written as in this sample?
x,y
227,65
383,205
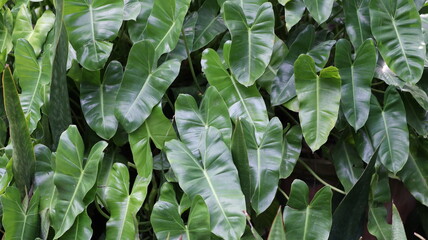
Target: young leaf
x,y
91,25
122,205
206,177
143,85
252,44
23,154
73,178
22,24
388,128
396,26
356,78
97,99
304,219
319,99
357,21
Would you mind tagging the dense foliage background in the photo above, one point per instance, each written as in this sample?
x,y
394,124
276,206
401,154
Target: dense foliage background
x,y
214,119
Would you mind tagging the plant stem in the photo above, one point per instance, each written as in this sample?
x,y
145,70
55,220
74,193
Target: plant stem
x,y
283,193
100,210
377,90
319,178
288,114
192,70
130,164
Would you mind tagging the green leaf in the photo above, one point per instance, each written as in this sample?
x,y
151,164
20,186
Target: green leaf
x,y
22,24
97,99
320,10
38,37
132,9
415,172
209,25
135,27
164,24
290,151
294,10
6,31
73,178
167,222
91,25
193,122
377,222
416,116
243,102
81,228
396,25
20,220
6,174
398,232
33,76
356,75
23,154
185,41
388,128
122,205
143,85
252,44
357,21
249,7
264,160
277,231
348,165
206,177
319,99
308,220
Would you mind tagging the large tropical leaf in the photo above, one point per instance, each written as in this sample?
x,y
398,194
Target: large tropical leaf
x,y
38,36
73,178
22,24
23,154
98,98
34,75
347,163
308,220
252,44
20,219
135,28
168,224
357,20
319,99
209,24
81,228
192,122
396,25
320,10
277,231
388,128
293,11
417,117
356,75
91,25
206,177
243,102
123,205
290,151
143,85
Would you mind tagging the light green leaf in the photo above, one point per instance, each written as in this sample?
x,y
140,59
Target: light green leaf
x,y
20,219
396,26
143,85
290,151
320,10
243,102
6,31
193,121
308,220
122,205
73,178
277,231
132,9
294,10
81,228
357,21
249,7
38,37
398,232
252,44
22,24
206,177
90,26
319,99
377,222
388,128
97,99
6,174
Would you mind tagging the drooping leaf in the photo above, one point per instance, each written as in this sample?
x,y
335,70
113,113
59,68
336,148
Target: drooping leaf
x,y
396,26
81,228
98,98
192,122
73,178
320,10
23,154
415,172
167,222
277,231
209,24
357,21
319,99
202,177
308,220
123,205
347,163
388,128
20,219
252,44
243,102
294,10
91,25
356,75
143,85
290,151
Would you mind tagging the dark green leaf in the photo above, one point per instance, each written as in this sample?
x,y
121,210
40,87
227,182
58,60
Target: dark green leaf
x,y
320,10
209,25
290,151
277,231
357,20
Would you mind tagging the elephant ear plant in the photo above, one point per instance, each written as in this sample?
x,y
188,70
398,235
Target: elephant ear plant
x,y
214,119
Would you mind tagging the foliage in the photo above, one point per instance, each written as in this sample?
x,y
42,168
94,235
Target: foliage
x,y
214,119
